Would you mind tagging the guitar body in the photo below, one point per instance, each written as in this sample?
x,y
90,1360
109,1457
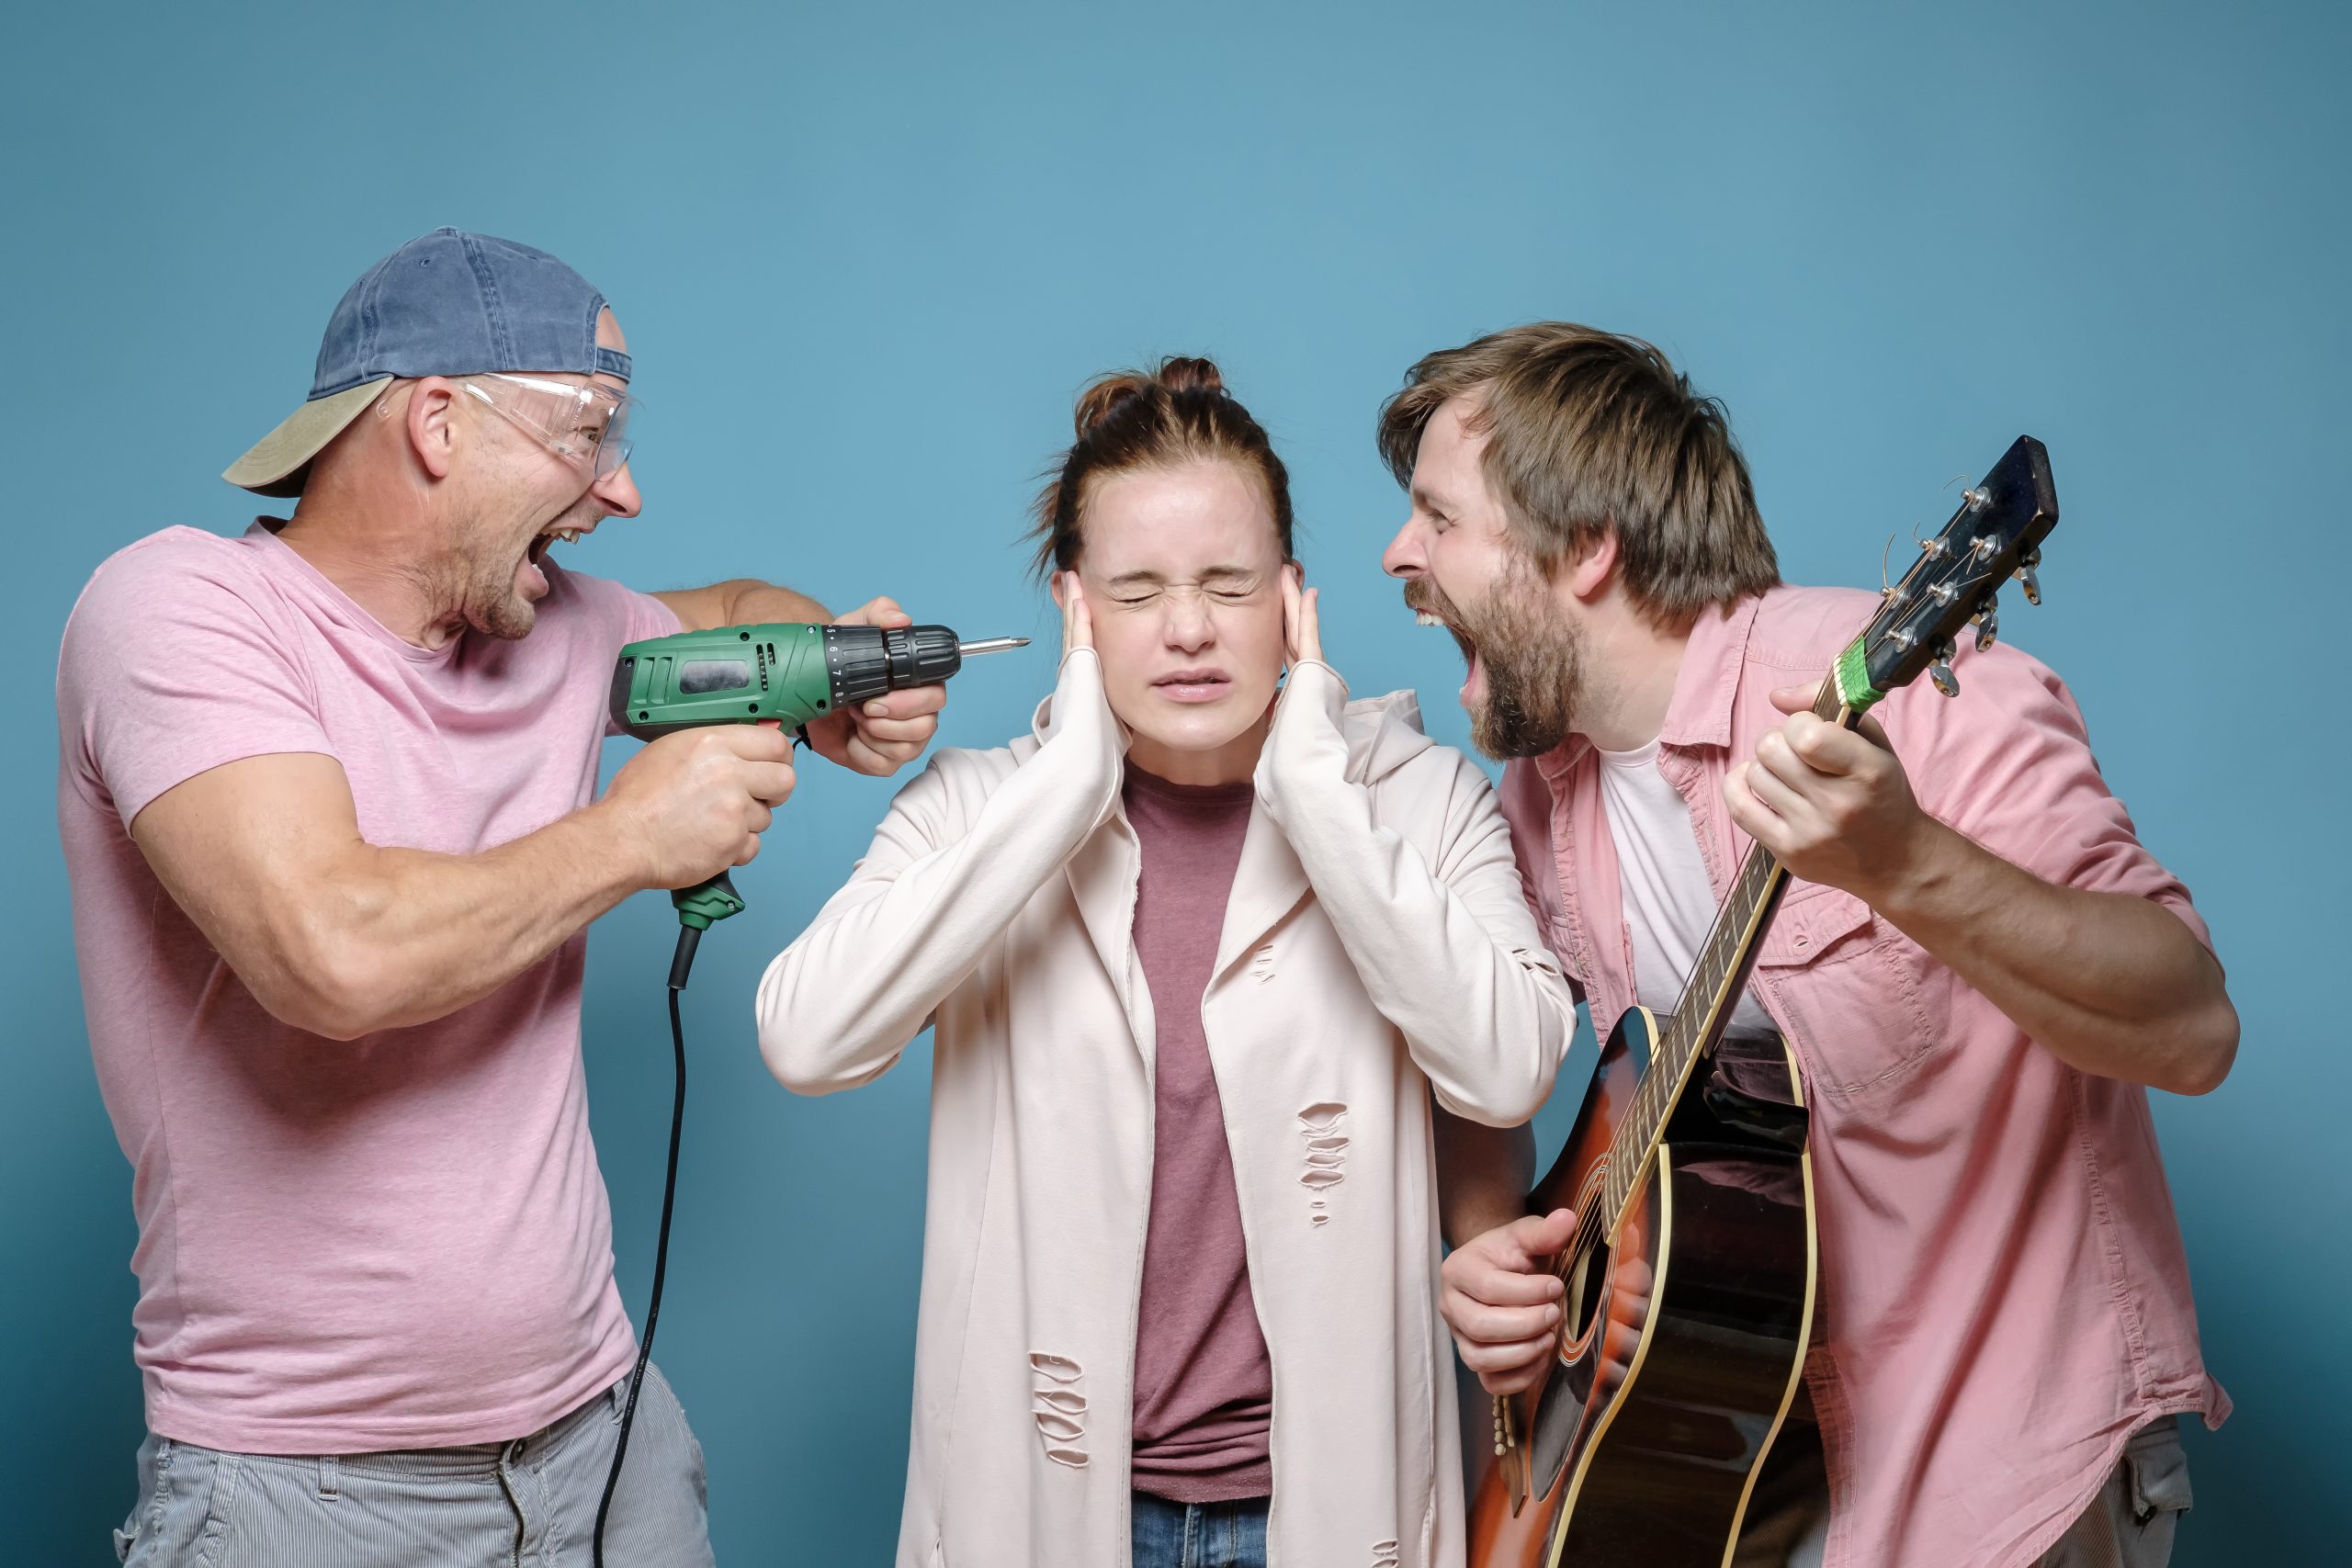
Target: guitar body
x,y
1684,1343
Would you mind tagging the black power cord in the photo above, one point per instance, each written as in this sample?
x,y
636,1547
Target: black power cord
x,y
680,966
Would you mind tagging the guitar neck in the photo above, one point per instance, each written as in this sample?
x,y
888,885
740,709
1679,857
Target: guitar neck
x,y
1707,1000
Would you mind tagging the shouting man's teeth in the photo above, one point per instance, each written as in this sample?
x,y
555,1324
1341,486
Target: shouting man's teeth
x,y
1425,618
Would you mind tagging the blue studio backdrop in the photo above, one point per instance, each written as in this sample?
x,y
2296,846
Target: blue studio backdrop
x,y
865,256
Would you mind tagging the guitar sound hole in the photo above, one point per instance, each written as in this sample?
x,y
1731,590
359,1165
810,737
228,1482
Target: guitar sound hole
x,y
1588,1281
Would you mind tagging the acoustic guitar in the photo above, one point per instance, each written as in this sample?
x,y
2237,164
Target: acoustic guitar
x,y
1689,1282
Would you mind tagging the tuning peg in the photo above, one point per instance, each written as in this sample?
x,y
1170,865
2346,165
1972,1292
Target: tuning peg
x,y
1941,671
1977,497
1988,625
2026,578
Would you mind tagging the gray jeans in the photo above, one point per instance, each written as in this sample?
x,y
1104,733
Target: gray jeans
x,y
2129,1525
530,1503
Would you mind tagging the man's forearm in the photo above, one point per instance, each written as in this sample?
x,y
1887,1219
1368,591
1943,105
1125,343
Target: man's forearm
x,y
742,600
406,936
2113,984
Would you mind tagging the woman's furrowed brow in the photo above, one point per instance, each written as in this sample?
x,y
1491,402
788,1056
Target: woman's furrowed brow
x,y
1144,575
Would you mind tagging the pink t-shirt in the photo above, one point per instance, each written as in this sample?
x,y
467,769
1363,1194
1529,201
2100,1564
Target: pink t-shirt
x,y
397,1242
1205,1385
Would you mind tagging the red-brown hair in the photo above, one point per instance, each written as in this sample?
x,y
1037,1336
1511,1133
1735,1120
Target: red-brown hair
x,y
1179,413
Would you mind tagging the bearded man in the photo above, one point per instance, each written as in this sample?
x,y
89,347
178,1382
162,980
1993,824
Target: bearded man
x,y
1985,970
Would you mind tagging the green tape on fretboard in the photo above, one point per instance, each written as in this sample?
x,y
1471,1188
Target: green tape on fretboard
x,y
1854,688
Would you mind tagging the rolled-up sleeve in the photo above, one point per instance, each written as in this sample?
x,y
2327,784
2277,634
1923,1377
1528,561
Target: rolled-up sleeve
x,y
2014,771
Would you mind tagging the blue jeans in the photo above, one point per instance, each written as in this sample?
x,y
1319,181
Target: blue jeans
x,y
1199,1535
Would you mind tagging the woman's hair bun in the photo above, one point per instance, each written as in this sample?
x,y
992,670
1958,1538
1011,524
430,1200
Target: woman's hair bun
x,y
1184,374
1176,376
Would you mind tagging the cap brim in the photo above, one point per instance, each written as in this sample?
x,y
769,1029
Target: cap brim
x,y
280,461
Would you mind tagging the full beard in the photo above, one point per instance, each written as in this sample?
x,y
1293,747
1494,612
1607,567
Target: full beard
x,y
1533,660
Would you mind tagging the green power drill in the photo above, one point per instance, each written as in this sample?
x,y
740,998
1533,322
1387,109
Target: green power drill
x,y
790,672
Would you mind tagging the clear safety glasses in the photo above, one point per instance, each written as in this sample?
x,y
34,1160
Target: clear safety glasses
x,y
587,426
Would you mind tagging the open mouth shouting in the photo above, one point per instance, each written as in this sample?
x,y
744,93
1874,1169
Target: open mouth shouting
x,y
1431,607
527,576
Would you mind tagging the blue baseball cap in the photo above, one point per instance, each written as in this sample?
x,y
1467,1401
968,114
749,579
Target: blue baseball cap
x,y
447,303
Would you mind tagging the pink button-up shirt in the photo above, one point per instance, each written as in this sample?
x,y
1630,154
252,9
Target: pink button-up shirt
x,y
2004,1297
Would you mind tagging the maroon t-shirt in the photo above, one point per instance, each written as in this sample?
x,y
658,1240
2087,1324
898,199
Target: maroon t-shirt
x,y
1205,1387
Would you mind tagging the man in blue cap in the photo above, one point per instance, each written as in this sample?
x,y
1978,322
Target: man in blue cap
x,y
327,793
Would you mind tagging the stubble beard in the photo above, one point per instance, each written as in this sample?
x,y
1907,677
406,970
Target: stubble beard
x,y
483,577
494,608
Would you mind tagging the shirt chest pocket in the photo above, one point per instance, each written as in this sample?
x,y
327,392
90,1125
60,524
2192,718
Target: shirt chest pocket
x,y
1853,991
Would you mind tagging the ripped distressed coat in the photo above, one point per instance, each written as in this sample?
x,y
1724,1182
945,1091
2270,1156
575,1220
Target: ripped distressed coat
x,y
1377,946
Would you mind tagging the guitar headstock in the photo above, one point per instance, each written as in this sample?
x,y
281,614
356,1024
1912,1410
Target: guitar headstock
x,y
1996,534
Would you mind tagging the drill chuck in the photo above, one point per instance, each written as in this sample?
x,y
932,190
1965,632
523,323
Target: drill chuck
x,y
869,661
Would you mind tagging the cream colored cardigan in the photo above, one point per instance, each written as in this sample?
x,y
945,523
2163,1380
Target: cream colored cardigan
x,y
1376,946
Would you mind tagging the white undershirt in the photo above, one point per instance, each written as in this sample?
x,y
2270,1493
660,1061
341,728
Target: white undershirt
x,y
1669,904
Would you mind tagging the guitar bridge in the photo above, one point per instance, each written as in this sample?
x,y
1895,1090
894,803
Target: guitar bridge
x,y
1508,1454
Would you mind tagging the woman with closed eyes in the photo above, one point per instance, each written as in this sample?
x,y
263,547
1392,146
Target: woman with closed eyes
x,y
1200,950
